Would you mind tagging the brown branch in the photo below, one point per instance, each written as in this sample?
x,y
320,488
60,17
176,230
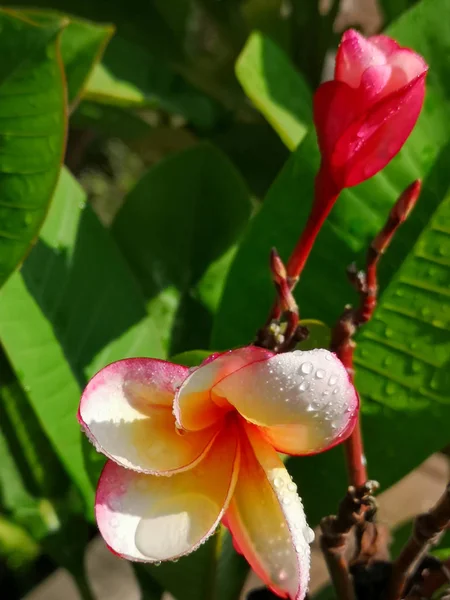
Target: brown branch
x,y
336,531
282,334
427,529
366,284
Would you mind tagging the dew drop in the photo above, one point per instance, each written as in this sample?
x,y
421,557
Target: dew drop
x,y
328,356
336,390
157,563
286,500
333,379
278,482
303,386
306,368
309,535
320,374
292,487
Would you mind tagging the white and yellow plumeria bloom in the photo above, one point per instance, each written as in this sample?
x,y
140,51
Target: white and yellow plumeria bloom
x,y
189,448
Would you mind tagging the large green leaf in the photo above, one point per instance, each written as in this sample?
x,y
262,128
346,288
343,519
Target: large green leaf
x,y
175,230
73,308
275,88
32,131
323,292
82,45
392,9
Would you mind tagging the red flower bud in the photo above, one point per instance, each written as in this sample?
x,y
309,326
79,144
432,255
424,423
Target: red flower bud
x,y
364,116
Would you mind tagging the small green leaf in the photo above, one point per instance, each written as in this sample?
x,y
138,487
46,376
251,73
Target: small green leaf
x,y
278,91
191,358
198,207
32,131
319,335
17,547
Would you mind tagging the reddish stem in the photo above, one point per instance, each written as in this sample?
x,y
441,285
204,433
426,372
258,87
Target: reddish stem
x,y
367,286
325,195
354,457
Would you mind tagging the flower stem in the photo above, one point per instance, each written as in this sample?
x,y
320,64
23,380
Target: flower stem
x,y
325,195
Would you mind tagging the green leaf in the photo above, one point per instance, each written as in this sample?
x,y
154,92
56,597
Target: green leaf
x,y
191,358
34,460
278,91
198,207
131,76
392,9
17,548
319,335
32,132
406,411
66,315
82,46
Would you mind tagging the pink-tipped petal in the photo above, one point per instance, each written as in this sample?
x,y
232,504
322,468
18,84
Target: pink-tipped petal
x,y
267,520
384,43
374,82
356,54
126,411
373,140
150,519
303,401
195,407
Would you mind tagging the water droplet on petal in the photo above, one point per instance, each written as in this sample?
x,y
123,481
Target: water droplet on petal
x,y
309,535
303,386
286,500
320,374
306,368
333,379
292,487
278,482
336,391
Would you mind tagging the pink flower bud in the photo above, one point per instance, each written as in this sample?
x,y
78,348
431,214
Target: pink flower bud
x,y
364,116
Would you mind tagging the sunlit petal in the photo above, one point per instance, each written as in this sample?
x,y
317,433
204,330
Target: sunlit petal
x,y
195,407
126,411
150,519
307,393
267,520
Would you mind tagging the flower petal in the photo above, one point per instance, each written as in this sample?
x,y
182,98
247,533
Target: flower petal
x,y
126,412
150,519
267,520
194,407
374,139
308,393
355,54
336,106
384,43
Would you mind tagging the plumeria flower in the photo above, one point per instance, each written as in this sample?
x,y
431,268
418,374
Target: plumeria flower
x,y
366,113
190,448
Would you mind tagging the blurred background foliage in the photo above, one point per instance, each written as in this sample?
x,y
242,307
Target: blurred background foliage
x,y
189,149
